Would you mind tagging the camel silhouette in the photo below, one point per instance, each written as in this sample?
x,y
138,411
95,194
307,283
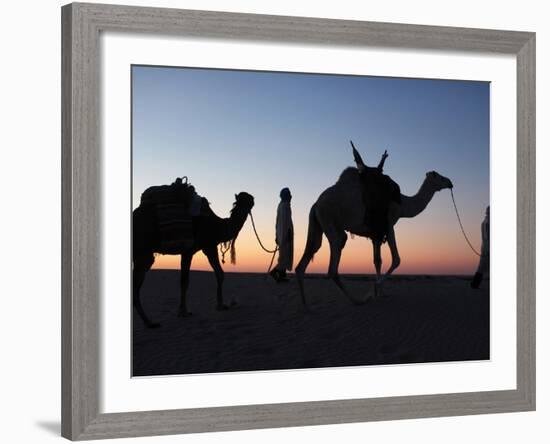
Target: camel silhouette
x,y
341,208
209,230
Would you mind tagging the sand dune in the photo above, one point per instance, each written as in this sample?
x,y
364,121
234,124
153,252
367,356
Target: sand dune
x,y
423,319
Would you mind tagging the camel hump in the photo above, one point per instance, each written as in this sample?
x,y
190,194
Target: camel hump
x,y
157,194
379,187
391,188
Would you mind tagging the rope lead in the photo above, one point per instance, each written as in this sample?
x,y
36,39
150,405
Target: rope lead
x,y
460,223
258,237
272,252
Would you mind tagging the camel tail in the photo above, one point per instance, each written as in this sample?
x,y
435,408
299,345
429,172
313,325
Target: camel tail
x,y
313,243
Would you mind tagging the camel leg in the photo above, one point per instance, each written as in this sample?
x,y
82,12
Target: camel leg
x,y
395,259
337,241
377,258
185,266
313,243
214,260
142,264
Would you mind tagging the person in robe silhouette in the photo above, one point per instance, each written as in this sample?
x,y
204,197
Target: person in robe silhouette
x,y
284,237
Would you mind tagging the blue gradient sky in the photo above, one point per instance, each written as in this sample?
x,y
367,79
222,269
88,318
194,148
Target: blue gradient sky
x,y
232,131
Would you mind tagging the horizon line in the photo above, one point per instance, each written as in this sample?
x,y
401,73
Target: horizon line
x,y
317,274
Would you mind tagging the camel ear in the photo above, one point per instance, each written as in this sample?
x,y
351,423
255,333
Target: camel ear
x,y
357,157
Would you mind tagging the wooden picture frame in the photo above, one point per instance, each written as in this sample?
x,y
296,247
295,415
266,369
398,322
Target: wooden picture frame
x,y
81,173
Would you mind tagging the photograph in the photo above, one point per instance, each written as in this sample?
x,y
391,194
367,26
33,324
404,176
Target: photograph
x,y
286,220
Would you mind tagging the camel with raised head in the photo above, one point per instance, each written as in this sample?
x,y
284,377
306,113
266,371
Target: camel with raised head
x,y
209,231
341,208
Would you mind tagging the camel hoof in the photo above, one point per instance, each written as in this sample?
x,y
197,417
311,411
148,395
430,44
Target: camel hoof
x,y
184,314
379,291
225,307
363,302
370,296
382,294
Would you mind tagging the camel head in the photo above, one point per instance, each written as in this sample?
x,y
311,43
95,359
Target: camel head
x,y
437,181
244,201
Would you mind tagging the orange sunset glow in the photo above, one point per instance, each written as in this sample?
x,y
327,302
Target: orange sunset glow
x,y
426,252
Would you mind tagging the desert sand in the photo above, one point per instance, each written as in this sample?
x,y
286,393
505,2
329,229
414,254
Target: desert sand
x,y
422,319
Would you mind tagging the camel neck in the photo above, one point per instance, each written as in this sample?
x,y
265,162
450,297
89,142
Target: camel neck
x,y
235,222
411,206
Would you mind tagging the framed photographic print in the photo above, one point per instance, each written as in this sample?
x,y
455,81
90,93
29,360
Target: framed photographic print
x,y
288,220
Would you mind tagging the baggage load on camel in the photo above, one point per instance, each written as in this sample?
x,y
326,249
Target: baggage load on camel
x,y
175,227
175,205
158,194
381,187
180,192
378,191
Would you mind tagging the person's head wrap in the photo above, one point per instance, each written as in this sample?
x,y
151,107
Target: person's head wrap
x,y
285,194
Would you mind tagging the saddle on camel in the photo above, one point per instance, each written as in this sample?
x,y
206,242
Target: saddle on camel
x,y
379,190
175,205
